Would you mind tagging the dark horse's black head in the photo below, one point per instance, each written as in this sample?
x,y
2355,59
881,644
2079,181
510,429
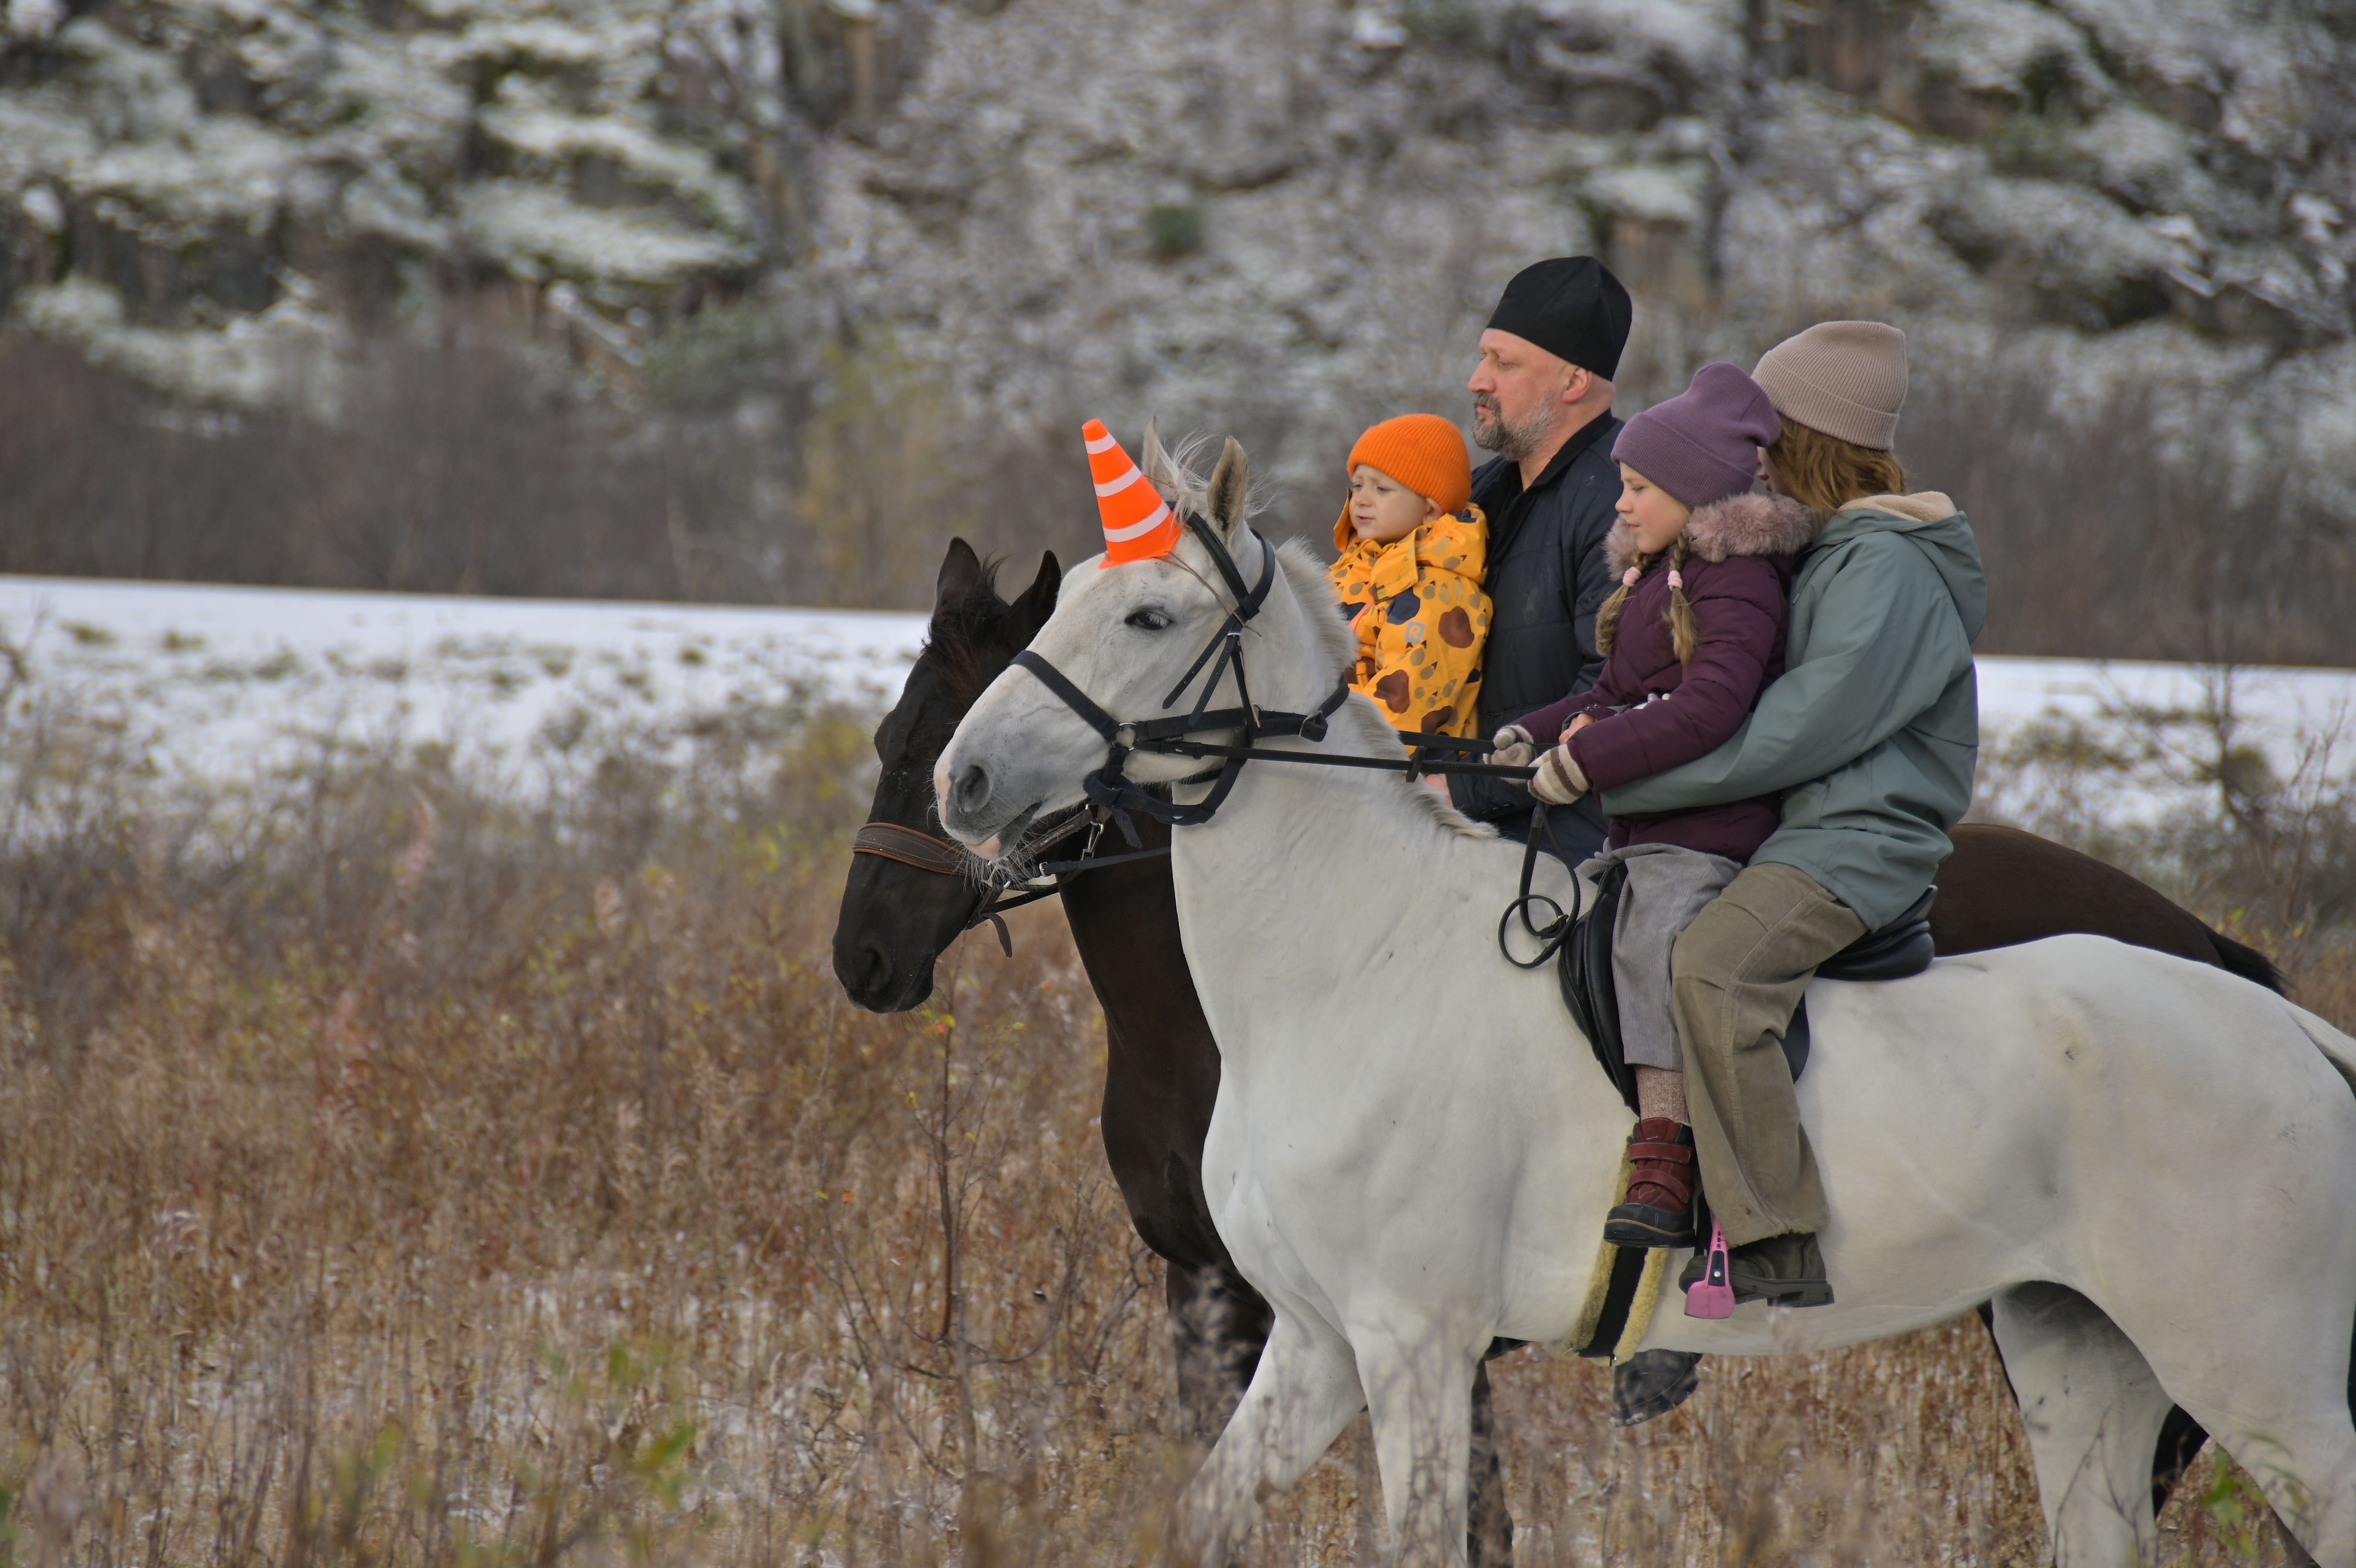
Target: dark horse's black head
x,y
896,919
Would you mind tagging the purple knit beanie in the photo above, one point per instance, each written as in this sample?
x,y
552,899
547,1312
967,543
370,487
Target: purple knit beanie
x,y
1702,445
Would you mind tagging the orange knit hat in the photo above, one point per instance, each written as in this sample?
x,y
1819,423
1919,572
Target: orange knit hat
x,y
1422,452
1138,523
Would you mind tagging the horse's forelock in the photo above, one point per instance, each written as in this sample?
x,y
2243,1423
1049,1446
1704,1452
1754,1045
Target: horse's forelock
x,y
1183,477
957,642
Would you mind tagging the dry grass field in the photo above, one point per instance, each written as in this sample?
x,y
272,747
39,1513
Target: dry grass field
x,y
393,1176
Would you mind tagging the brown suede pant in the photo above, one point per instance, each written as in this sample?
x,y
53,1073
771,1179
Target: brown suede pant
x,y
1736,975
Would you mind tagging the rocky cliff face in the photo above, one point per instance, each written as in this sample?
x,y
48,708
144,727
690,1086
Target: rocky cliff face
x,y
1284,218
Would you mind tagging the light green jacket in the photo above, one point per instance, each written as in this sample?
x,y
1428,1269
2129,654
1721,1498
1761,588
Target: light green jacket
x,y
1872,731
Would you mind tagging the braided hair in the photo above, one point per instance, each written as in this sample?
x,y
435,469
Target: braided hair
x,y
1685,631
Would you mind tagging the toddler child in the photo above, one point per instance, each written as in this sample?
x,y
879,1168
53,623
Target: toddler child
x,y
1413,550
1693,635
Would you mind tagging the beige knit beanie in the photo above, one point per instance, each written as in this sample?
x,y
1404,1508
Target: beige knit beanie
x,y
1847,379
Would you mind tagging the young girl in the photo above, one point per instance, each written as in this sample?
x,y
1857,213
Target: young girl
x,y
1693,635
1413,548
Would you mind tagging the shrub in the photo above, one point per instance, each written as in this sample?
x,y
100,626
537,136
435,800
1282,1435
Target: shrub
x,y
1173,229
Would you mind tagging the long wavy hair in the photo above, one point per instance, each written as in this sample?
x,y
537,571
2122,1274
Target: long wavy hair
x,y
1824,473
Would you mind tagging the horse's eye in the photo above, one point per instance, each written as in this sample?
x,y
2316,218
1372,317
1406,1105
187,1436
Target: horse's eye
x,y
1148,620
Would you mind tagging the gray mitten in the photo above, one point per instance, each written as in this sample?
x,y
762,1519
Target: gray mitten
x,y
1514,747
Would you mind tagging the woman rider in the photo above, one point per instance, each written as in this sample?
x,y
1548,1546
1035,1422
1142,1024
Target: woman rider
x,y
1872,735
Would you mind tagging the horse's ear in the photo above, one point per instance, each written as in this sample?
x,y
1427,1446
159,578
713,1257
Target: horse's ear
x,y
961,573
1038,600
1230,480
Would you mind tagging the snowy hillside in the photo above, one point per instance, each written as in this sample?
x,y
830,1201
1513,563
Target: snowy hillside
x,y
216,684
1279,217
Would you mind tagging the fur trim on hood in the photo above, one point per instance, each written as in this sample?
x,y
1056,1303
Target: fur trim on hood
x,y
1619,549
1751,525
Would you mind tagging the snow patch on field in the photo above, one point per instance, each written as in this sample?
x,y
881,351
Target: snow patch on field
x,y
213,683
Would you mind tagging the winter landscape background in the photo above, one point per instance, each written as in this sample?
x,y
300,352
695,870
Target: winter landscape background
x,y
755,300
430,1132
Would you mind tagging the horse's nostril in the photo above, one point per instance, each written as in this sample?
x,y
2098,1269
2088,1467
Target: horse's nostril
x,y
869,973
972,790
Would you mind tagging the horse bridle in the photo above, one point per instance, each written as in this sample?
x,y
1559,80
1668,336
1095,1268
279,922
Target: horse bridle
x,y
1110,793
912,846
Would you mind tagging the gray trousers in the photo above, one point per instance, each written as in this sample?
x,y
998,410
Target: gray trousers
x,y
1667,886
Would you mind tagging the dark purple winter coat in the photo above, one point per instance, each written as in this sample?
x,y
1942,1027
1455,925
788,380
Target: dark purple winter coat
x,y
1654,713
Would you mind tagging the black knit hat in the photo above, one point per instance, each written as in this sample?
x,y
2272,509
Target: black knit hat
x,y
1570,307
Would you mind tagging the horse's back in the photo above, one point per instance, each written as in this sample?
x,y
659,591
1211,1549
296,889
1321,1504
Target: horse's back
x,y
2064,1009
2031,1071
2003,887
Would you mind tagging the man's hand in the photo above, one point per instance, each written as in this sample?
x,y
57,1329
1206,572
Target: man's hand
x,y
1577,721
1513,746
1560,780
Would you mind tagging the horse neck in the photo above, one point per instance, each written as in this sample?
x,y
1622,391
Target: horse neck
x,y
1302,850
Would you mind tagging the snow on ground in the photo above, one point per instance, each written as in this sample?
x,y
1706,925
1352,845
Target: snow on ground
x,y
214,681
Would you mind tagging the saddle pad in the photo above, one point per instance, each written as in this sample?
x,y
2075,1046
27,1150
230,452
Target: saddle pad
x,y
1623,1294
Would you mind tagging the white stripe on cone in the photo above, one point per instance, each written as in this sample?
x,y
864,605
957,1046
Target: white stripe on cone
x,y
1138,530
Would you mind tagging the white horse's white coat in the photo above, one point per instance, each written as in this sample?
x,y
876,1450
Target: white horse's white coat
x,y
2148,1163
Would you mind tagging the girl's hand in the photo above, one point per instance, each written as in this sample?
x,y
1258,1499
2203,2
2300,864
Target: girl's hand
x,y
1577,721
1513,746
1560,780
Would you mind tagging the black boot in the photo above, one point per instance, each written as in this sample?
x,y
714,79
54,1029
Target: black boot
x,y
1660,1208
1651,1383
1789,1269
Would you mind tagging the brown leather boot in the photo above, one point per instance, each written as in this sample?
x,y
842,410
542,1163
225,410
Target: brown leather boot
x,y
1659,1212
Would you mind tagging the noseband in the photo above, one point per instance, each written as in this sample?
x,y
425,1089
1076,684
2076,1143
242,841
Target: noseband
x,y
1109,791
911,846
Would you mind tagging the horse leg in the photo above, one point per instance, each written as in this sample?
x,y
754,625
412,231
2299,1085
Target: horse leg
x,y
1420,1393
2288,1424
2181,1436
1220,1325
1489,1522
1304,1391
2094,1411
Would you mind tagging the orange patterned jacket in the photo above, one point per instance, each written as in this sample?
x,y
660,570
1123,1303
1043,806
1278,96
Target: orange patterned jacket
x,y
1420,618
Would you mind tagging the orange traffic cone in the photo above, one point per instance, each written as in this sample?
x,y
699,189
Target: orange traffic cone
x,y
1138,523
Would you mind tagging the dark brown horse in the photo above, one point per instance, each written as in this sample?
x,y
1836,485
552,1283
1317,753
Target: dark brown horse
x,y
1999,888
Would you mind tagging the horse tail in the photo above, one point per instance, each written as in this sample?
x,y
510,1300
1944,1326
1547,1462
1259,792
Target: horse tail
x,y
2241,958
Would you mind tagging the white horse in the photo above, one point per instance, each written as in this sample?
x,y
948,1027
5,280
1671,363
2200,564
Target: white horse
x,y
2148,1164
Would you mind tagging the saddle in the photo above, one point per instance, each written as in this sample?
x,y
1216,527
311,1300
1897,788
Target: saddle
x,y
1583,964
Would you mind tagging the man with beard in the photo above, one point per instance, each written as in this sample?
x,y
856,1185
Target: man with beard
x,y
1542,402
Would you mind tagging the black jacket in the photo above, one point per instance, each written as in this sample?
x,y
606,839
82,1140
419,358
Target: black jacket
x,y
1546,579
